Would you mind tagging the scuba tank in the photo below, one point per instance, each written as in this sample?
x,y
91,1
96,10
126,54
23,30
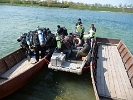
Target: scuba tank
x,y
28,38
58,42
41,38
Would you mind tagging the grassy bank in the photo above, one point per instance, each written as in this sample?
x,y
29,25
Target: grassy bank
x,y
63,5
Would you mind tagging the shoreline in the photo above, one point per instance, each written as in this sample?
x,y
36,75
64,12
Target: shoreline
x,y
70,8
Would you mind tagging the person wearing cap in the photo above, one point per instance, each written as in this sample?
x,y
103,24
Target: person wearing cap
x,y
79,22
59,30
79,28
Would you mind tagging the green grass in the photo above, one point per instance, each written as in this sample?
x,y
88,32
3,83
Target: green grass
x,y
72,6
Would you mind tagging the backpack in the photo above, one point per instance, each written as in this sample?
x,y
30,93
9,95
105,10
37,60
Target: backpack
x,y
64,31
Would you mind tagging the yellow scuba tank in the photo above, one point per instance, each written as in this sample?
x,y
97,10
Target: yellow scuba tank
x,y
58,42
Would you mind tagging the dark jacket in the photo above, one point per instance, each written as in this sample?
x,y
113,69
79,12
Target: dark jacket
x,y
84,51
94,29
35,39
66,45
51,41
60,31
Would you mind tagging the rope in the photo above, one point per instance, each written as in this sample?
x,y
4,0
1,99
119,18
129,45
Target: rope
x,y
87,67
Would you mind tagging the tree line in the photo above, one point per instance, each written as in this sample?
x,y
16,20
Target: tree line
x,y
71,5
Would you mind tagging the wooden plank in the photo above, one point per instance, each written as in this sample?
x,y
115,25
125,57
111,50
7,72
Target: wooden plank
x,y
17,55
115,77
106,72
121,48
10,60
107,40
124,78
119,77
123,53
23,68
129,63
110,75
130,72
131,80
114,73
3,66
9,72
126,57
119,45
100,75
18,68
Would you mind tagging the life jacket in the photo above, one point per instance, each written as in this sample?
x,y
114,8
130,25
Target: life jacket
x,y
58,42
79,28
92,34
86,36
41,38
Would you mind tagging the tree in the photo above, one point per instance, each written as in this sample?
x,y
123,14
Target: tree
x,y
125,5
24,2
11,2
65,2
48,3
31,1
79,5
120,5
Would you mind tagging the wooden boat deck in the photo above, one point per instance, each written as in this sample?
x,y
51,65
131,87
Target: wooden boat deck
x,y
112,80
16,70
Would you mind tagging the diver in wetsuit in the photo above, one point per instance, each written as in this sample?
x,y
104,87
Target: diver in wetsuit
x,y
38,44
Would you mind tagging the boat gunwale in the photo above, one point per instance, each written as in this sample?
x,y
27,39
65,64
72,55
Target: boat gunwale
x,y
28,73
112,42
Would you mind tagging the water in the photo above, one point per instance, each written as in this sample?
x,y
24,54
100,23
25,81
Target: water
x,y
52,85
49,85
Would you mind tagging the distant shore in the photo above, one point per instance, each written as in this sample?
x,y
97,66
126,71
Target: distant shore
x,y
77,7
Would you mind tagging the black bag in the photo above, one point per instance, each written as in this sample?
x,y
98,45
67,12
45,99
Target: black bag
x,y
64,31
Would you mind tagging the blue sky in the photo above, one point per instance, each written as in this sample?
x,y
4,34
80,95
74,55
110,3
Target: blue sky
x,y
113,2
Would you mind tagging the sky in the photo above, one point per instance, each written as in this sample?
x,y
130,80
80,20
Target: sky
x,y
113,2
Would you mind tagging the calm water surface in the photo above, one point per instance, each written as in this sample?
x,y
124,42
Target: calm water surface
x,y
49,85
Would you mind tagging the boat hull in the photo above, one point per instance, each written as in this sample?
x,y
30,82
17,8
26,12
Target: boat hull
x,y
111,67
12,85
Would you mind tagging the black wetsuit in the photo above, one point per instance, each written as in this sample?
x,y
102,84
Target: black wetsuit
x,y
37,47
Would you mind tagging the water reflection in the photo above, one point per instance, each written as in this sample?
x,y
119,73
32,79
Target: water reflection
x,y
56,85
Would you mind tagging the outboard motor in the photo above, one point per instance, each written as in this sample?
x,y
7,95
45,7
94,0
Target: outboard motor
x,y
41,38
